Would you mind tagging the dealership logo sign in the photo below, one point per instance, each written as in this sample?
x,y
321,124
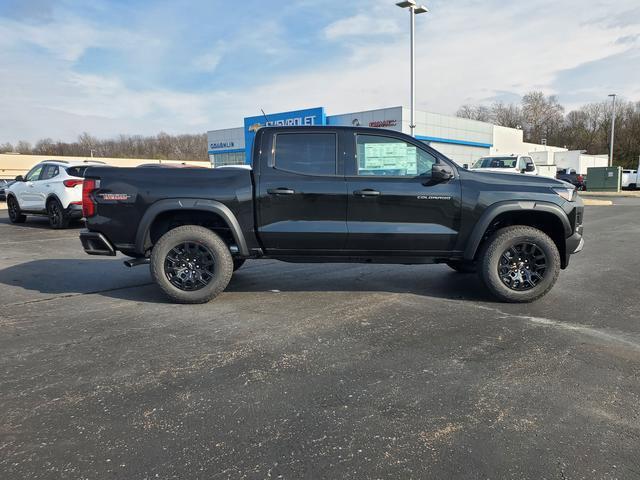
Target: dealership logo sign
x,y
309,120
221,145
383,123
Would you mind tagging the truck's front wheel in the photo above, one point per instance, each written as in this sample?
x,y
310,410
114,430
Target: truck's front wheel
x,y
191,264
519,264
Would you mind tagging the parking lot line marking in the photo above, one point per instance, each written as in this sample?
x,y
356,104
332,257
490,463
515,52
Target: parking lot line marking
x,y
592,332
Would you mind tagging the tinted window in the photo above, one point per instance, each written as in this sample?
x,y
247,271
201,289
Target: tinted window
x,y
385,156
49,171
34,174
76,171
310,153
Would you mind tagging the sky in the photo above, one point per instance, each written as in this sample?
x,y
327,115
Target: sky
x,y
111,67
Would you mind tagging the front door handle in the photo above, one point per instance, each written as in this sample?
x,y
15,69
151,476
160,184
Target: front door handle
x,y
367,192
280,191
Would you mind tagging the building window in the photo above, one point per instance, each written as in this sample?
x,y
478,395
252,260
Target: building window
x,y
227,158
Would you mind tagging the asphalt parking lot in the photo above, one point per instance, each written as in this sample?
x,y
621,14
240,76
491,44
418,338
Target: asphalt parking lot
x,y
318,371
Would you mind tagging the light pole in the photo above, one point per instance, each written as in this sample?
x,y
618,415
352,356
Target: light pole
x,y
613,127
413,11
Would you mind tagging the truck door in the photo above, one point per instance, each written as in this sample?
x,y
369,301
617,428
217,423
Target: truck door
x,y
301,194
392,203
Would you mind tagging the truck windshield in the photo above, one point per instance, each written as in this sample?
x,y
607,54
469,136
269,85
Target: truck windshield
x,y
496,162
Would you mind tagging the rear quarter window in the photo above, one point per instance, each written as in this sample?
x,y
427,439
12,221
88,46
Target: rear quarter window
x,y
76,171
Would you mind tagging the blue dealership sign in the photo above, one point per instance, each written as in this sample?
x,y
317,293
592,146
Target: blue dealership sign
x,y
312,116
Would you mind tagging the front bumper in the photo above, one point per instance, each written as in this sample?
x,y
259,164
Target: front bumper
x,y
575,243
94,243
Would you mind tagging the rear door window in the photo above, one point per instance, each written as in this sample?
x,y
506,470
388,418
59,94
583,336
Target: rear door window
x,y
49,171
306,153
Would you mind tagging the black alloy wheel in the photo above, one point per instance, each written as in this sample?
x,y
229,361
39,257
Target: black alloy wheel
x,y
522,266
189,266
54,210
14,211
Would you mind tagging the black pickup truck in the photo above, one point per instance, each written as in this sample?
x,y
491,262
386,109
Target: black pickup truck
x,y
334,194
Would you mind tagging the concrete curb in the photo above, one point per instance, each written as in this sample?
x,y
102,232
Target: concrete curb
x,y
594,202
623,193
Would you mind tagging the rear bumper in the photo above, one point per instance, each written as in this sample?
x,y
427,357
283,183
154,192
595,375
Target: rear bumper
x,y
74,211
95,243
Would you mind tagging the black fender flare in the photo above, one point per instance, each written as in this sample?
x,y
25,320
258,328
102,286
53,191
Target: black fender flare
x,y
499,208
177,204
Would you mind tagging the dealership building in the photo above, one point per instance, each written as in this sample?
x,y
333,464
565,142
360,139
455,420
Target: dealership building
x,y
460,139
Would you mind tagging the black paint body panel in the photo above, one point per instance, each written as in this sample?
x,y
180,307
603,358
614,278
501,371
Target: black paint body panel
x,y
296,217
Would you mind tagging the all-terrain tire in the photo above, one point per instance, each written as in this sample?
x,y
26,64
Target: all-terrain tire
x,y
15,216
58,219
238,262
499,243
222,263
462,267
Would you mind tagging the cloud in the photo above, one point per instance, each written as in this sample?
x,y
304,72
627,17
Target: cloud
x,y
361,25
208,62
303,58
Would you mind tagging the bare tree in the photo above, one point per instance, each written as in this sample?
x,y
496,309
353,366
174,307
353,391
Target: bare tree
x,y
475,112
23,147
543,116
507,115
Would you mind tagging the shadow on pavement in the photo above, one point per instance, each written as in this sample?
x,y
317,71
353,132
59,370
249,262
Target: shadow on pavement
x,y
37,222
109,277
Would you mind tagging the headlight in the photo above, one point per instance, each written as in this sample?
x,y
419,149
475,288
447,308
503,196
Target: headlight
x,y
569,194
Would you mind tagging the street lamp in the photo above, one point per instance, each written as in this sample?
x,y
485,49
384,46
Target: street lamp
x,y
613,127
413,11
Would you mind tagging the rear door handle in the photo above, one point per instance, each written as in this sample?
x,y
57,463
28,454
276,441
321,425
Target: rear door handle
x,y
280,191
367,192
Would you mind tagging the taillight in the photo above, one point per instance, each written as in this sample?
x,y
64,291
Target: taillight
x,y
88,205
72,183
580,178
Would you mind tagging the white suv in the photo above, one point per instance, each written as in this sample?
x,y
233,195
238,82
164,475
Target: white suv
x,y
52,188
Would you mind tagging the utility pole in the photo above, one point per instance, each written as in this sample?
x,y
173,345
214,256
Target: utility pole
x,y
613,128
413,11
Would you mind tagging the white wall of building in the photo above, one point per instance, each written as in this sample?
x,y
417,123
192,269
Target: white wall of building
x,y
389,118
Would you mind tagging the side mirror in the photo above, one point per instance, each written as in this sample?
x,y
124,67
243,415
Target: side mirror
x,y
19,178
441,172
530,167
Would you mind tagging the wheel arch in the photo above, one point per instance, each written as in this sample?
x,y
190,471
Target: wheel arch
x,y
548,217
183,209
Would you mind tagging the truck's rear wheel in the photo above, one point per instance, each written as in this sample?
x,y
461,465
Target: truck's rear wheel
x,y
191,264
519,264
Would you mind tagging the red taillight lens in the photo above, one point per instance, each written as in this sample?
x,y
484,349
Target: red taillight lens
x,y
72,183
88,205
580,178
